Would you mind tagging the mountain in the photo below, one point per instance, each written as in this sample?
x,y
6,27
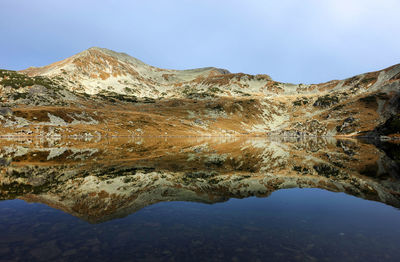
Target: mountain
x,y
99,92
98,69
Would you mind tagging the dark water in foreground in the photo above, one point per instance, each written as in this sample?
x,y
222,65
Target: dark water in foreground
x,y
290,225
199,201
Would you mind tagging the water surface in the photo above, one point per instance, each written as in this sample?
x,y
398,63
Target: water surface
x,y
198,199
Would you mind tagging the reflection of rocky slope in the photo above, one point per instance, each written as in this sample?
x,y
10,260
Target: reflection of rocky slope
x,y
102,180
99,92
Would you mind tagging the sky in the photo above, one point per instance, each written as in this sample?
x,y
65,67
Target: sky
x,y
296,41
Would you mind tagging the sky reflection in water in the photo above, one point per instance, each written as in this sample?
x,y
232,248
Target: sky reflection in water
x,y
196,202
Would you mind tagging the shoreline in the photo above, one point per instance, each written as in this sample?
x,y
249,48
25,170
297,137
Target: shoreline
x,y
382,138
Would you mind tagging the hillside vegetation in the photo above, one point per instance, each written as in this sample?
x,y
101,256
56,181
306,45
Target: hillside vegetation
x,y
99,92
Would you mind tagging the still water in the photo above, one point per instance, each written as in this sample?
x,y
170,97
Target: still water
x,y
198,199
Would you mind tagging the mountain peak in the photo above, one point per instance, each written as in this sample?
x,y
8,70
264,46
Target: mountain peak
x,y
98,69
100,51
97,48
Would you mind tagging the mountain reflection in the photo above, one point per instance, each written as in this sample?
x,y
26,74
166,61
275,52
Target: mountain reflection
x,y
99,180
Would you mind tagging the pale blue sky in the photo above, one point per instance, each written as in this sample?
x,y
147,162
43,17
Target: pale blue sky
x,y
303,41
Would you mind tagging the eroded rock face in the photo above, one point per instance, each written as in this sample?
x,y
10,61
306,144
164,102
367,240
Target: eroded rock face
x,y
102,180
99,92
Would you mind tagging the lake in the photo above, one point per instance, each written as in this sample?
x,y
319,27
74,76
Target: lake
x,y
199,199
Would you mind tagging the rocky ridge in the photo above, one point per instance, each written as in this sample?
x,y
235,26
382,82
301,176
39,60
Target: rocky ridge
x,y
99,92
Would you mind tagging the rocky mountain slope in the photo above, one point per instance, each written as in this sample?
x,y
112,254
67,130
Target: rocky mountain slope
x,y
99,180
99,92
